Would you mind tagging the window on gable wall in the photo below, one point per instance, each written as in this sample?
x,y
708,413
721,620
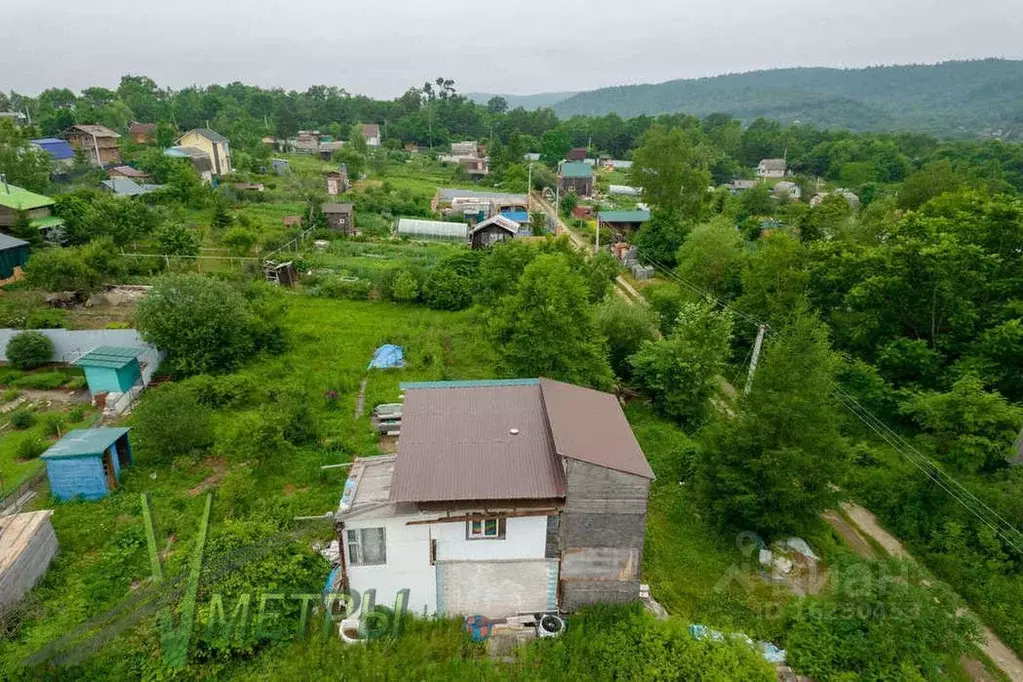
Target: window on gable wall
x,y
367,547
485,528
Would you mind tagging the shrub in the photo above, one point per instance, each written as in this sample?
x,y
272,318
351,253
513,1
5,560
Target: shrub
x,y
76,414
206,325
28,350
10,394
448,290
22,419
227,391
169,422
30,447
53,423
75,383
343,287
46,318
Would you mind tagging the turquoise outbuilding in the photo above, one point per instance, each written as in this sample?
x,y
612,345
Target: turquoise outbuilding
x,y
111,369
87,462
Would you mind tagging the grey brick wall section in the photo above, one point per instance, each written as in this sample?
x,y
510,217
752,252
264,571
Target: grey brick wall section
x,y
496,589
602,530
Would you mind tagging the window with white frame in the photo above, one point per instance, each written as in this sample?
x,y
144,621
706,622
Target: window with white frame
x,y
484,528
366,547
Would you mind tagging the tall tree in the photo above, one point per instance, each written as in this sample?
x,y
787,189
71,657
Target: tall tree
x,y
712,257
771,467
356,139
681,373
672,171
547,327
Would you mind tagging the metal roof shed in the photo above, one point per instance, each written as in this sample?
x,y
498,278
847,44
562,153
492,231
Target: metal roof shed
x,y
13,253
432,229
87,462
113,369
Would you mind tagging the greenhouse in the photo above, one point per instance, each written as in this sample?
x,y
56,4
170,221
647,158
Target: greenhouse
x,y
414,228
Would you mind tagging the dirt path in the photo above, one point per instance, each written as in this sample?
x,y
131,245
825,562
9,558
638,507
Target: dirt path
x,y
865,522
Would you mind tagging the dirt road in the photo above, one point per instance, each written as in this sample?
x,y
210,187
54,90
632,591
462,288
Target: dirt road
x,y
622,287
866,523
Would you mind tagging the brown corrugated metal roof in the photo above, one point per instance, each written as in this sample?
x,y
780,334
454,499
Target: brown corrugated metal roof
x,y
590,426
457,443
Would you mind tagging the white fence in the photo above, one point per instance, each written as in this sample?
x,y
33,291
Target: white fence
x,y
71,344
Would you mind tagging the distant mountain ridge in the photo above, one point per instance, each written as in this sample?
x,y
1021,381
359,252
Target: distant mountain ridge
x,y
956,98
528,102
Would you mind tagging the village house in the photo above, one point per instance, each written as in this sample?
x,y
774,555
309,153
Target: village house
x,y
98,143
129,172
772,168
19,119
466,148
337,181
214,144
505,497
142,133
577,177
850,197
738,186
371,131
340,218
39,209
121,186
59,151
787,191
199,159
474,167
583,212
493,230
623,224
576,154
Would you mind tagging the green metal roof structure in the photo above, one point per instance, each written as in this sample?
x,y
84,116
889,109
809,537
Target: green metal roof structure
x,y
623,216
20,199
576,169
85,442
48,221
110,357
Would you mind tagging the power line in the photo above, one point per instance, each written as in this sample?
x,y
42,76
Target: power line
x,y
1002,528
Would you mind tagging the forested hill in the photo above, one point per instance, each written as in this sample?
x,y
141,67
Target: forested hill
x,y
528,102
963,98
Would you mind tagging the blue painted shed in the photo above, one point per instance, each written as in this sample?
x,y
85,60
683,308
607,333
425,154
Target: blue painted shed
x,y
87,462
111,369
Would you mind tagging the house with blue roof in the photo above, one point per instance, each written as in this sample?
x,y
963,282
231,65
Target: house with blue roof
x,y
60,152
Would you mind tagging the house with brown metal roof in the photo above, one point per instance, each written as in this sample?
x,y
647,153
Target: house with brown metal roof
x,y
505,497
142,133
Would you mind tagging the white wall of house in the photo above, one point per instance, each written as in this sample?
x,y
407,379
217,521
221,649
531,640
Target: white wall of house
x,y
408,564
471,566
525,538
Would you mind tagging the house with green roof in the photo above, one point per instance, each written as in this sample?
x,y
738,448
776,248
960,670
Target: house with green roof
x,y
576,176
623,224
15,201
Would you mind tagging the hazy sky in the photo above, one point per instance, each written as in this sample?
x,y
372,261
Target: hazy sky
x,y
381,47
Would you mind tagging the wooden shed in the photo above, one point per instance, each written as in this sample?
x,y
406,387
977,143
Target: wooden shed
x,y
87,462
27,546
577,177
340,217
492,231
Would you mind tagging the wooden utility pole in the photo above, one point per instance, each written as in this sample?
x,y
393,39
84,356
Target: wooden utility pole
x,y
756,358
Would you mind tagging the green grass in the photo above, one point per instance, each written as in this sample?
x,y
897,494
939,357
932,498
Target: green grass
x,y
103,558
14,470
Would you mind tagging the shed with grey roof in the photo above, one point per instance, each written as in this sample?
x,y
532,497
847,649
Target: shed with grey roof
x,y
27,546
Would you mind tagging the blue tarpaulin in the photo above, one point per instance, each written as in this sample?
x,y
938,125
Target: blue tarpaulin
x,y
388,356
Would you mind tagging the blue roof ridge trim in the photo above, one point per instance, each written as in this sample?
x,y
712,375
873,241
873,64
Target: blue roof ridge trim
x,y
468,383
